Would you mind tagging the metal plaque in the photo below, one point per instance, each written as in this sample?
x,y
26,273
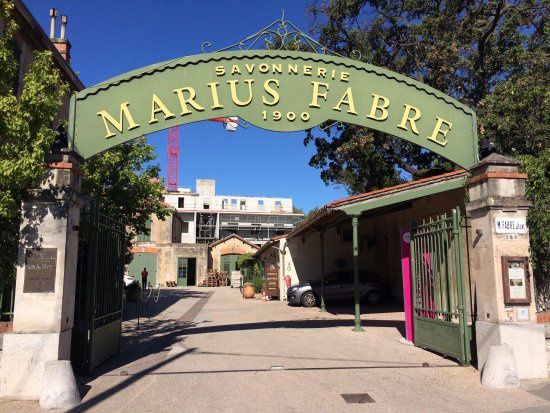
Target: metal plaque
x,y
40,266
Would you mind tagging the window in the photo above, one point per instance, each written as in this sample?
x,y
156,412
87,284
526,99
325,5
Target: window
x,y
224,203
185,227
234,201
145,237
181,202
206,206
182,267
243,204
260,202
278,203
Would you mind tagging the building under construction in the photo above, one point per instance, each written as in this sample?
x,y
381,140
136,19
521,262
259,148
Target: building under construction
x,y
208,217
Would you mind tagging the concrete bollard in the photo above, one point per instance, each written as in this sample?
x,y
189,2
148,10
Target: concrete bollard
x,y
500,371
59,389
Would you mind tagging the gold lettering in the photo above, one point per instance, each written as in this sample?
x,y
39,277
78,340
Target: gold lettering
x,y
321,72
276,68
292,69
249,67
317,94
235,70
264,68
344,76
406,118
437,130
233,86
307,70
158,106
220,70
347,99
215,98
190,100
376,106
272,92
118,125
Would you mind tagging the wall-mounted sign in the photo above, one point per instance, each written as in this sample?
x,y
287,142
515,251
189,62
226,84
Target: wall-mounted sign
x,y
509,314
515,277
523,313
510,225
40,266
278,90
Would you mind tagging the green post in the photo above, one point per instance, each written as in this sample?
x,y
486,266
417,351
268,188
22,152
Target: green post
x,y
355,224
463,321
322,238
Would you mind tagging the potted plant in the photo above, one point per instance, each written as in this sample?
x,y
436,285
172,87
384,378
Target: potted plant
x,y
132,292
248,290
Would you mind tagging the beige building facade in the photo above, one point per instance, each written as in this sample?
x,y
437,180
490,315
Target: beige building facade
x,y
224,252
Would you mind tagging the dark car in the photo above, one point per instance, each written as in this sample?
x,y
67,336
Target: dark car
x,y
338,286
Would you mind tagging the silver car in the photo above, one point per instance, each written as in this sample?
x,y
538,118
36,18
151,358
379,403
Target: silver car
x,y
338,286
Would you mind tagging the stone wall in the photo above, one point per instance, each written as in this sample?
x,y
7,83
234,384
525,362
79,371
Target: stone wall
x,y
167,262
231,245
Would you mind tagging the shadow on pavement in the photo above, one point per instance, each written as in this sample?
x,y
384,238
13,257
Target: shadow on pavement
x,y
167,298
300,324
348,308
88,404
152,338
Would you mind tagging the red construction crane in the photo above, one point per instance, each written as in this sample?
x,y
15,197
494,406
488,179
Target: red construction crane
x,y
173,153
230,124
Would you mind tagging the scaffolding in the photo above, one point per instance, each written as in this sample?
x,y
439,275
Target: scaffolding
x,y
206,228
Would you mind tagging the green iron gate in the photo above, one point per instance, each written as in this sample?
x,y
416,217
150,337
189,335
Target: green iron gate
x,y
98,301
441,321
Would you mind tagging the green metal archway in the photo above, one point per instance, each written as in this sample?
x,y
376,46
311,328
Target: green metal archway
x,y
280,90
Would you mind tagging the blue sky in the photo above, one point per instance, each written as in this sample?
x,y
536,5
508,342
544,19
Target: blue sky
x,y
112,37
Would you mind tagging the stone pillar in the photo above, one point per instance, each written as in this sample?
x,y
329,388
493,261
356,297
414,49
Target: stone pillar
x,y
46,279
496,192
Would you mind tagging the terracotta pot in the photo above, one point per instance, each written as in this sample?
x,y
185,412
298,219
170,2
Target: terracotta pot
x,y
248,291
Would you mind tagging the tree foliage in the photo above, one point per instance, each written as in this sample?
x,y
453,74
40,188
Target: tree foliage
x,y
122,179
26,133
126,184
538,220
463,48
492,55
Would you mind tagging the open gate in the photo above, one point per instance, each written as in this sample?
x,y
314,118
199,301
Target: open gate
x,y
98,301
441,321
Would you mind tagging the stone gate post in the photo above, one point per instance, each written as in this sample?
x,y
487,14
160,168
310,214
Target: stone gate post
x,y
500,240
46,279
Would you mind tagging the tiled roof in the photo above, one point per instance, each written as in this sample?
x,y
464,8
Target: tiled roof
x,y
332,207
221,240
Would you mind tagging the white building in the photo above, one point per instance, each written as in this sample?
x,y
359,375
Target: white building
x,y
208,217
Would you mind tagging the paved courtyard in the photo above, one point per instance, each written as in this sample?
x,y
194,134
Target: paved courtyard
x,y
206,349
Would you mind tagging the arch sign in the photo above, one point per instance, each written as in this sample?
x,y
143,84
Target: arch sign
x,y
278,90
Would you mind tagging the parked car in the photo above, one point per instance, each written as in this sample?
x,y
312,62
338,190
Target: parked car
x,y
128,279
338,286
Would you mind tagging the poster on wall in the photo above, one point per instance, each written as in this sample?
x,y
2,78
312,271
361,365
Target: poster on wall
x,y
509,314
515,277
523,314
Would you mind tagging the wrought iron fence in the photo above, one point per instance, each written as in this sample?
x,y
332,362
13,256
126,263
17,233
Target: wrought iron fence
x,y
98,301
439,300
7,276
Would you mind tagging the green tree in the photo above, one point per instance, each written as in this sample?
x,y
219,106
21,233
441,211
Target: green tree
x,y
538,219
126,184
492,55
464,48
26,134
